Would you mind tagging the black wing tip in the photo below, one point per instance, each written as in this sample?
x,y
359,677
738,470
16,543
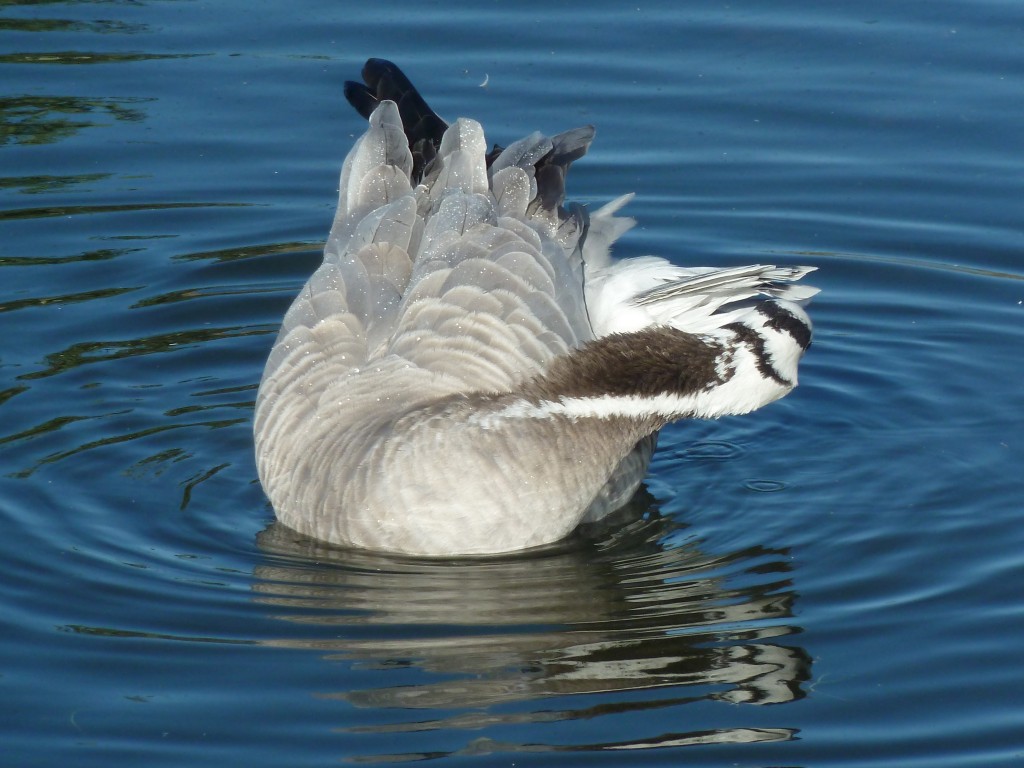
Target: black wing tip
x,y
362,99
385,81
424,129
375,70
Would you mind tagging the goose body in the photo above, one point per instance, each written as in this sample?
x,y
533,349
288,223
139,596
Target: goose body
x,y
469,371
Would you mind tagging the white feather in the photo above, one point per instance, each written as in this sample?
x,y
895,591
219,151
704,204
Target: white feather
x,y
636,293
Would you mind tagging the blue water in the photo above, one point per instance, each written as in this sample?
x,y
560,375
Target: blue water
x,y
836,580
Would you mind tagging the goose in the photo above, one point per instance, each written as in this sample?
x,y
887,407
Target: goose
x,y
469,371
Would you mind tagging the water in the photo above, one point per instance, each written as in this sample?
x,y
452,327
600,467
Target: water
x,y
833,581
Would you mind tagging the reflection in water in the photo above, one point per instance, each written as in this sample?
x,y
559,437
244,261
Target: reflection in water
x,y
43,184
64,211
100,26
46,119
87,57
314,254
624,620
67,298
89,352
100,254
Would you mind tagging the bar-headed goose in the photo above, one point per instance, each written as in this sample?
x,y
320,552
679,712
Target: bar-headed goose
x,y
469,371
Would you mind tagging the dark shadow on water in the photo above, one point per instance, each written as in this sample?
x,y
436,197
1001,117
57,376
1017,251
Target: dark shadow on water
x,y
614,622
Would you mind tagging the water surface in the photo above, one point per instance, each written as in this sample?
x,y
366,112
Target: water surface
x,y
833,581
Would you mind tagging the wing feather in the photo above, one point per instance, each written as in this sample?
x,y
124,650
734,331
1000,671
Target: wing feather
x,y
468,282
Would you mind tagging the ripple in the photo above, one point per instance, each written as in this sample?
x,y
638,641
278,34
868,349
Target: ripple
x,y
87,57
46,119
91,352
764,486
710,450
155,231
91,210
557,632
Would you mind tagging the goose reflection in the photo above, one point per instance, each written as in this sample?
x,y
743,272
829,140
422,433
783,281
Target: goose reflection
x,y
634,614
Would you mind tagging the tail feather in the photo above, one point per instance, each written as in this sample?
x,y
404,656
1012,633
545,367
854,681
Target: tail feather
x,y
605,228
733,284
636,293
